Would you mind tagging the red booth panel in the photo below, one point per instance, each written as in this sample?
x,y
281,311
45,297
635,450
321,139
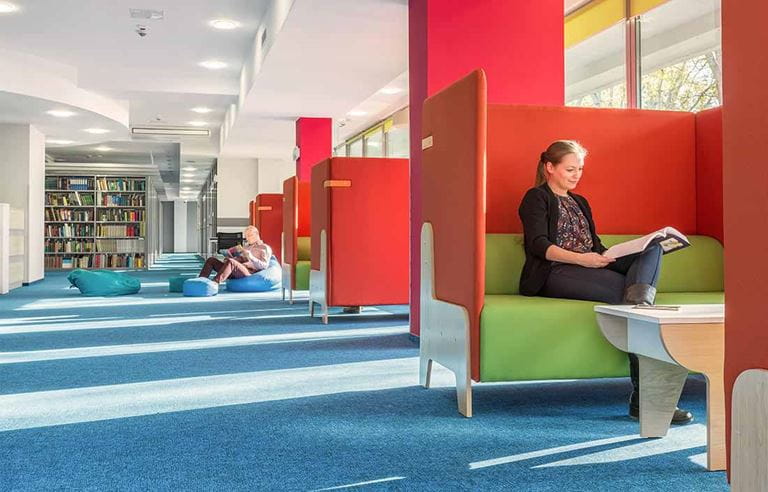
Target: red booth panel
x,y
269,220
709,173
320,208
369,242
639,174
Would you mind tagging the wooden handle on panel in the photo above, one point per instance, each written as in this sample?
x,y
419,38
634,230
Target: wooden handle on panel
x,y
337,183
264,207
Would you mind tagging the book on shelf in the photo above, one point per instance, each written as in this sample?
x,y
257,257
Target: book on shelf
x,y
669,238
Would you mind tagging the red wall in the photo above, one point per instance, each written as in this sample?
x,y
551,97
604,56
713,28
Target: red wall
x,y
745,177
519,44
315,141
709,173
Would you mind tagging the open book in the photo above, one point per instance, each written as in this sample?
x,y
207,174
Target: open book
x,y
669,238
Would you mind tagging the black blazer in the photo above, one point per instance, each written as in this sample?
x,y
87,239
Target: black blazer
x,y
539,212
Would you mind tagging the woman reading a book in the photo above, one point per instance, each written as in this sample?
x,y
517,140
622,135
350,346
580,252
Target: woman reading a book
x,y
564,256
241,261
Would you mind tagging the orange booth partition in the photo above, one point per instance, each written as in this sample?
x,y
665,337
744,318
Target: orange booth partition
x,y
296,235
360,240
268,218
478,162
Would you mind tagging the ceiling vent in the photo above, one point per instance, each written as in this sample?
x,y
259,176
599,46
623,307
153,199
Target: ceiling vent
x,y
146,14
167,131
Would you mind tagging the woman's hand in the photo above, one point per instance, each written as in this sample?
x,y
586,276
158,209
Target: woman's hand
x,y
594,260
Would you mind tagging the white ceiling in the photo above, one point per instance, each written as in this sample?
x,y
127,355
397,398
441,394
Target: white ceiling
x,y
328,58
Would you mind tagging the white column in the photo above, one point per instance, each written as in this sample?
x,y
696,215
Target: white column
x,y
22,148
180,226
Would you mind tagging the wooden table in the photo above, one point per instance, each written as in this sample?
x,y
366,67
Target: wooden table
x,y
668,345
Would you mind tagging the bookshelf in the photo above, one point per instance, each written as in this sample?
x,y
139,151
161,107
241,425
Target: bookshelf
x,y
95,221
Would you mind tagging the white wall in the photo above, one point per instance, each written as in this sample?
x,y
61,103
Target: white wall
x,y
179,226
238,184
22,161
272,173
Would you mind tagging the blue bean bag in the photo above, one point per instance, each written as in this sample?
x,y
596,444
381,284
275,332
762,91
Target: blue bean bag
x,y
265,280
200,287
103,282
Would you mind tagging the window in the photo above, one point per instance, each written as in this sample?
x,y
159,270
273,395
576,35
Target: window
x,y
374,142
681,56
398,141
355,148
595,70
678,62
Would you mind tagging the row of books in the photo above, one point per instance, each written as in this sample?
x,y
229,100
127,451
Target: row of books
x,y
122,200
69,246
95,261
60,214
68,230
119,261
120,215
68,183
121,184
129,230
68,261
120,245
69,199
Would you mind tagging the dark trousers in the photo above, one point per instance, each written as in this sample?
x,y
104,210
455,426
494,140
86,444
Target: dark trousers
x,y
607,285
230,267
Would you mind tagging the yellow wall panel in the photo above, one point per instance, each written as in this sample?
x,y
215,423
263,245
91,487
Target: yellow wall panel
x,y
591,19
642,6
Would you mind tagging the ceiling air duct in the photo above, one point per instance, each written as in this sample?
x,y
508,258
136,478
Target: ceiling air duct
x,y
167,131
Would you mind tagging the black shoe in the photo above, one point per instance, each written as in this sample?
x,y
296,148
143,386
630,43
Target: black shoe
x,y
351,310
680,417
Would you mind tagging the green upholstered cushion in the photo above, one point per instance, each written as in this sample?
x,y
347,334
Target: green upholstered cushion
x,y
695,269
302,275
527,338
304,248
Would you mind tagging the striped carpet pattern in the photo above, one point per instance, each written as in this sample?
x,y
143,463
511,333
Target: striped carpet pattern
x,y
241,391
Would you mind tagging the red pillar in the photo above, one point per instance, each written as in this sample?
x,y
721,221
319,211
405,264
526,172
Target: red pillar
x,y
519,44
745,131
315,142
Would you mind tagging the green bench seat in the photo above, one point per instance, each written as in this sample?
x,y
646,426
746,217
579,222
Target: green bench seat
x,y
531,338
303,265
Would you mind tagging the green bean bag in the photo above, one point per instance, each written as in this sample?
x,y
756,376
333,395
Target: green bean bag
x,y
103,283
175,284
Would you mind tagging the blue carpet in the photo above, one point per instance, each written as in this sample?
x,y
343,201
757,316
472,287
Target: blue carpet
x,y
245,392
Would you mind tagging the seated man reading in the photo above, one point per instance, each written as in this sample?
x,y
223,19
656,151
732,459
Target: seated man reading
x,y
241,261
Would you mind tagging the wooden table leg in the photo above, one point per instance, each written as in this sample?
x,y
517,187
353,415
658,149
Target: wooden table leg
x,y
704,353
660,386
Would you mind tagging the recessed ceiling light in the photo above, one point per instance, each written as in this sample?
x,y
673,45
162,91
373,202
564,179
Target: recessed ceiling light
x,y
391,90
189,168
96,131
198,123
61,113
357,113
202,110
213,64
224,24
186,188
8,8
55,141
104,148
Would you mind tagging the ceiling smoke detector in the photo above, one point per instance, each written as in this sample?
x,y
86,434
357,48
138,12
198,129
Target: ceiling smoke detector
x,y
146,14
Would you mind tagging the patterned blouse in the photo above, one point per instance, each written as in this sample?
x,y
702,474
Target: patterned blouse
x,y
572,227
